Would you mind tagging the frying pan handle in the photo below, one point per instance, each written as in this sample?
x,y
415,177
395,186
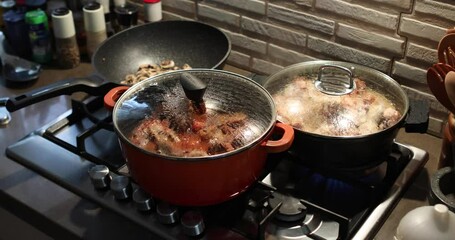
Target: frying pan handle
x,y
69,86
3,102
113,95
284,143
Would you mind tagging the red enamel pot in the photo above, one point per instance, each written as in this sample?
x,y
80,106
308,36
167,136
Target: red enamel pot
x,y
151,120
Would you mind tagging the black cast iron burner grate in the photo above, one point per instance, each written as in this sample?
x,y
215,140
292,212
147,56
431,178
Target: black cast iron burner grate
x,y
87,131
83,138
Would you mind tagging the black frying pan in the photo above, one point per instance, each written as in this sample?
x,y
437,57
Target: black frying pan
x,y
197,44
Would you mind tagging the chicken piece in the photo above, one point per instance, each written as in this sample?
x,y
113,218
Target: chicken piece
x,y
164,139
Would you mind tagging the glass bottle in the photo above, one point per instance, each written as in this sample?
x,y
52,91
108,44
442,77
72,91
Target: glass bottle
x,y
39,35
67,50
152,11
95,26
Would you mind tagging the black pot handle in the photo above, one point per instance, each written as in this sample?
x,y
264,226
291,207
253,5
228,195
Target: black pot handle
x,y
91,85
418,116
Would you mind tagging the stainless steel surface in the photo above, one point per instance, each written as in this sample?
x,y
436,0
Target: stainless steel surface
x,y
68,213
375,220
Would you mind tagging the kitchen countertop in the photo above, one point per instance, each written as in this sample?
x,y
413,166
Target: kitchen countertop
x,y
39,202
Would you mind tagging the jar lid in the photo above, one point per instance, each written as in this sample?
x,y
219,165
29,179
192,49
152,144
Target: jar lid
x,y
126,15
126,10
60,11
13,16
94,20
92,6
63,23
152,1
7,4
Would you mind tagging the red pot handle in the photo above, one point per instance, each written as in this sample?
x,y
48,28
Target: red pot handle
x,y
113,95
282,144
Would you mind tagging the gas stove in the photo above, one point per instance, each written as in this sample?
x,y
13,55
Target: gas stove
x,y
80,151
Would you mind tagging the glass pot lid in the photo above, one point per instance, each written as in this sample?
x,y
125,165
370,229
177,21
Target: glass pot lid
x,y
157,115
337,99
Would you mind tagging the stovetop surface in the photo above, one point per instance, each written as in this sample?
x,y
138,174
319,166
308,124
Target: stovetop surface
x,y
336,207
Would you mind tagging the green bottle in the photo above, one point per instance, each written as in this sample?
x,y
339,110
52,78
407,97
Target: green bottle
x,y
39,34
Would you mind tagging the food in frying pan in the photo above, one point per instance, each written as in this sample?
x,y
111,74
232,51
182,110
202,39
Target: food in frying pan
x,y
364,111
190,134
148,70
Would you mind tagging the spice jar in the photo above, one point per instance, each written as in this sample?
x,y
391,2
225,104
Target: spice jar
x,y
126,16
95,26
118,3
68,55
17,32
76,8
152,10
39,35
107,16
5,6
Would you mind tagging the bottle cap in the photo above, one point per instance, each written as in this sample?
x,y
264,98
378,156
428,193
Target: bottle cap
x,y
105,4
126,15
8,4
36,17
118,3
94,17
152,11
63,24
13,16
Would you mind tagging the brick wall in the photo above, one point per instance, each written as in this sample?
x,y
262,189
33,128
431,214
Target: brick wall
x,y
397,37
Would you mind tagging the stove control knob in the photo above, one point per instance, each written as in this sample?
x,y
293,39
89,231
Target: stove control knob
x,y
121,187
193,223
5,117
143,200
167,214
99,175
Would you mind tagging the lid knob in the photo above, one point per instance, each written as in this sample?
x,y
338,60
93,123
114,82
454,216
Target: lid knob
x,y
427,222
193,86
334,83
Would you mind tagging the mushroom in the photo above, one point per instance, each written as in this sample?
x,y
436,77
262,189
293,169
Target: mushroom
x,y
167,64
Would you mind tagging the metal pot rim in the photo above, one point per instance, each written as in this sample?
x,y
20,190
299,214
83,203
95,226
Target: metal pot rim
x,y
295,67
246,146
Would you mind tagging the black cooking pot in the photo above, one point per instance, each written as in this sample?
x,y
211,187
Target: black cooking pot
x,y
330,103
